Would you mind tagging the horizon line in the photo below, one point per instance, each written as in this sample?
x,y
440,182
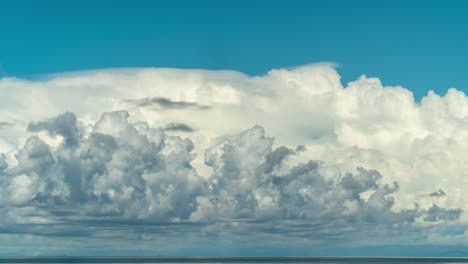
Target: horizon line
x,y
227,259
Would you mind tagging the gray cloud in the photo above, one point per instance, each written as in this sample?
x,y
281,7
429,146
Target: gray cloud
x,y
301,148
118,174
65,125
161,103
114,172
254,181
439,193
4,124
435,213
178,127
3,163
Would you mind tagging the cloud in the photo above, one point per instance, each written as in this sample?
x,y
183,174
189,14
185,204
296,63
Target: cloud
x,y
435,213
360,153
3,163
123,174
253,181
178,127
115,170
161,103
4,124
64,125
439,193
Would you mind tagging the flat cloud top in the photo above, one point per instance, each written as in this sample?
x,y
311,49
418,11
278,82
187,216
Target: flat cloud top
x,y
188,149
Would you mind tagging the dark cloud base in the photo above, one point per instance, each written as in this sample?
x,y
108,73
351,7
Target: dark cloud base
x,y
180,127
161,103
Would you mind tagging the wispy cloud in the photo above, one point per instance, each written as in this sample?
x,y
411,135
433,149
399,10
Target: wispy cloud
x,y
178,127
160,103
4,124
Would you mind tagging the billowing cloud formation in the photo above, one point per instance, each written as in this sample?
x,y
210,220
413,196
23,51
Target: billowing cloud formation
x,y
347,157
117,171
253,181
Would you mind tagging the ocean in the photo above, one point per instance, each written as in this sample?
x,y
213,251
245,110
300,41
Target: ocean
x,y
232,260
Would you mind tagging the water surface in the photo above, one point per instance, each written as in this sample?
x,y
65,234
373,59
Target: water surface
x,y
232,260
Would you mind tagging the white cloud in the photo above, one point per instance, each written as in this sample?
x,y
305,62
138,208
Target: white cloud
x,y
132,173
136,168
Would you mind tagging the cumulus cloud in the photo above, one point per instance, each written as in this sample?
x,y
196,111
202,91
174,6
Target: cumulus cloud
x,y
64,125
435,213
253,181
359,153
117,171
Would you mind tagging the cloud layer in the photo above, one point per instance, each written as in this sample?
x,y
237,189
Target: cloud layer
x,y
193,151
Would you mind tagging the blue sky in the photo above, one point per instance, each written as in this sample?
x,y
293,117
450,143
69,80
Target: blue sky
x,y
418,45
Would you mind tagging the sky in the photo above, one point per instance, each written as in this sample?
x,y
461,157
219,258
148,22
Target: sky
x,y
180,128
419,46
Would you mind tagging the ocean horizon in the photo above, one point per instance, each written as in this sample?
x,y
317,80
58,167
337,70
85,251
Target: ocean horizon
x,y
233,260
